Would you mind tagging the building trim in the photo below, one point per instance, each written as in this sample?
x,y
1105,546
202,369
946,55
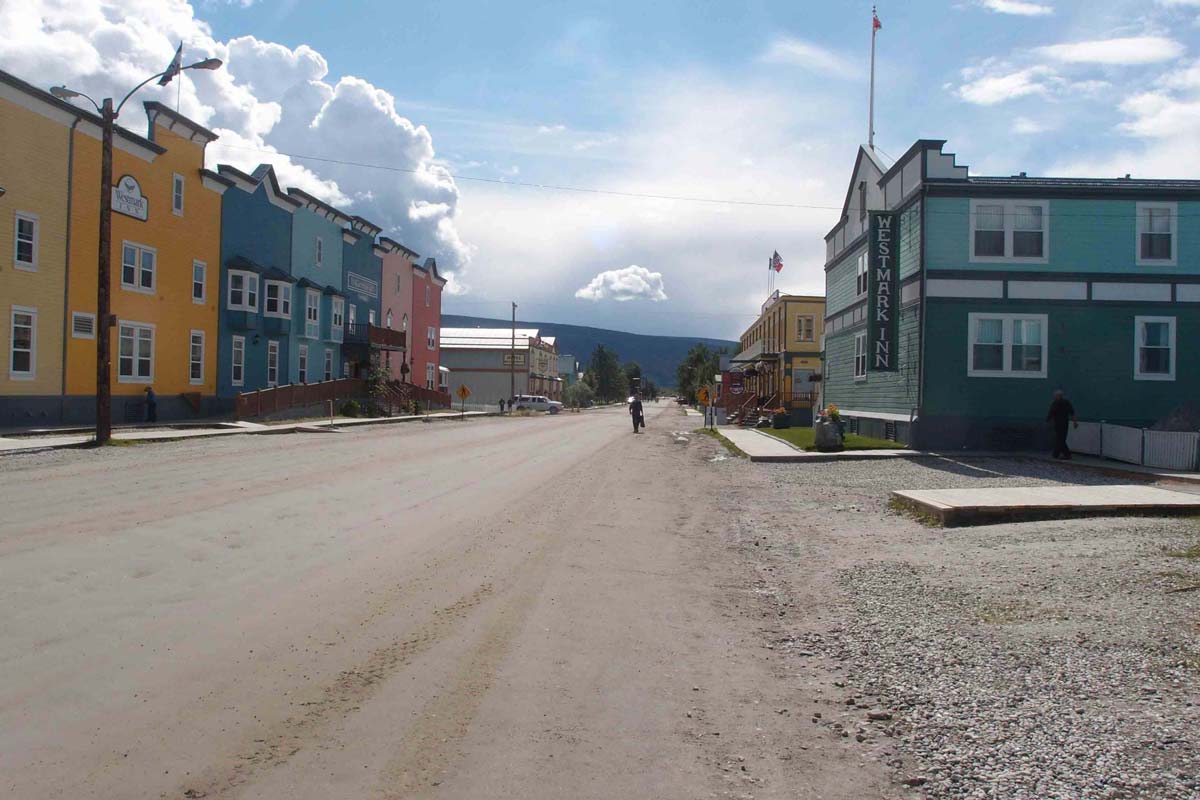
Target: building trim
x,y
982,289
1047,290
1136,292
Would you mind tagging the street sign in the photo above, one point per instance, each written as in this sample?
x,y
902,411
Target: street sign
x,y
702,395
463,392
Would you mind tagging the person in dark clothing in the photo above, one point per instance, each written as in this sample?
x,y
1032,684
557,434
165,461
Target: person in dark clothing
x,y
1061,413
501,405
635,411
151,406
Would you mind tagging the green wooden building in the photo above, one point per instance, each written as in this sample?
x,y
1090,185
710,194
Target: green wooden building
x,y
1007,288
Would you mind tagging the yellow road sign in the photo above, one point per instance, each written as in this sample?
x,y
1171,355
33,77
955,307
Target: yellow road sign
x,y
463,392
702,395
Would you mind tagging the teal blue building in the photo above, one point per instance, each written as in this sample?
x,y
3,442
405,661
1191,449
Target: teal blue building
x,y
320,301
1006,289
362,274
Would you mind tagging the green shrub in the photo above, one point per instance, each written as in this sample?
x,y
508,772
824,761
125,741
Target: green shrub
x,y
350,408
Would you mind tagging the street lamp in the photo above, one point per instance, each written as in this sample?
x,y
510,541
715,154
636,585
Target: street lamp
x,y
108,117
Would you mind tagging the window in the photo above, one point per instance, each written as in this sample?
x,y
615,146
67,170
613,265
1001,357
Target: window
x,y
196,358
1009,230
399,285
238,362
320,251
431,337
353,316
25,241
370,316
137,267
338,307
1154,349
22,357
806,328
243,291
277,300
428,296
303,376
272,364
1156,233
430,373
345,369
328,365
177,195
389,319
404,323
1007,345
83,326
860,279
860,356
862,200
312,313
199,271
135,354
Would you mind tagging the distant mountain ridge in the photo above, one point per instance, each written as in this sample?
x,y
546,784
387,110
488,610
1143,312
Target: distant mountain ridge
x,y
657,355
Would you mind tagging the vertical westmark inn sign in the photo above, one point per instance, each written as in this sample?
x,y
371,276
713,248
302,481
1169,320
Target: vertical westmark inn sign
x,y
883,292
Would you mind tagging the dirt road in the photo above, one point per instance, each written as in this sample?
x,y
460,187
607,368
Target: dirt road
x,y
515,608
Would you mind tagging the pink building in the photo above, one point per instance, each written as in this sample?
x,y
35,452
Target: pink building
x,y
423,347
396,306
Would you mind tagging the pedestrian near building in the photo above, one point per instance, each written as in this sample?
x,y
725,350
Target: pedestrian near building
x,y
501,405
151,405
635,411
1060,414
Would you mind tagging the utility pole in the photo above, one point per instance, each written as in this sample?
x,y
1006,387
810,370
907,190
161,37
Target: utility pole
x,y
103,317
512,357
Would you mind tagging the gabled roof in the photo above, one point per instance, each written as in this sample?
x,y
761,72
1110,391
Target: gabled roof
x,y
365,226
430,268
320,206
867,153
172,120
264,175
395,246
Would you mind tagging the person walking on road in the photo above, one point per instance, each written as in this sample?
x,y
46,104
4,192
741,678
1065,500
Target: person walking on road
x,y
635,411
1061,413
151,405
502,406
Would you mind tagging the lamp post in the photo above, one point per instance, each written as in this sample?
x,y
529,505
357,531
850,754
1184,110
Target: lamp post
x,y
104,321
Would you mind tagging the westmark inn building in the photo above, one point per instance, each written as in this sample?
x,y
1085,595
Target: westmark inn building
x,y
1004,289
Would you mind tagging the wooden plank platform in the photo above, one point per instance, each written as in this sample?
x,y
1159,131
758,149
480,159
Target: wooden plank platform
x,y
954,507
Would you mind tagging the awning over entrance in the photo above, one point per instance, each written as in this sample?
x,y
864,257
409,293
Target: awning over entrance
x,y
750,354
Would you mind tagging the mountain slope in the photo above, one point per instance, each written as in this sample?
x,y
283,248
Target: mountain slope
x,y
657,355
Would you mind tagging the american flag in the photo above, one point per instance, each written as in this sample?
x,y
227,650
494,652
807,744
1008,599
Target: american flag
x,y
776,262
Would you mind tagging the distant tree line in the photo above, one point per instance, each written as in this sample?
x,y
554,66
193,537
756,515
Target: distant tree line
x,y
697,369
606,380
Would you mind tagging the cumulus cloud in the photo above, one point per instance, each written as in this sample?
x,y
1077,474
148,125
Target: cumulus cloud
x,y
1018,7
1120,50
989,88
1026,126
797,52
268,100
630,283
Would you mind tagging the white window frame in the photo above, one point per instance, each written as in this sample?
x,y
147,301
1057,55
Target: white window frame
x,y
312,302
431,337
203,282
328,366
860,275
430,375
388,319
337,315
302,364
800,327
177,185
1006,343
284,299
428,295
237,346
138,268
1138,375
18,218
31,373
191,361
135,326
1010,216
860,356
320,251
404,323
249,278
272,363
83,315
1142,218
370,316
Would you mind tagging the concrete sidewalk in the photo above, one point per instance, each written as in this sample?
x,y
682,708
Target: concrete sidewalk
x,y
764,447
954,507
31,443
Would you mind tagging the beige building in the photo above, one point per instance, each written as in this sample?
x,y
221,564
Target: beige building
x,y
781,354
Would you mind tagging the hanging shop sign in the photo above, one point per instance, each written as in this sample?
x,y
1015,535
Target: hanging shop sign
x,y
883,293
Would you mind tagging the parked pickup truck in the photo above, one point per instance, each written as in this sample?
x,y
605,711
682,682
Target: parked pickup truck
x,y
536,402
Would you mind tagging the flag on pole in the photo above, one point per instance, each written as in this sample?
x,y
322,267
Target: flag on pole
x,y
875,23
175,67
777,262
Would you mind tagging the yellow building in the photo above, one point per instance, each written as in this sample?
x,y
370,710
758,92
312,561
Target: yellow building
x,y
166,243
781,354
35,150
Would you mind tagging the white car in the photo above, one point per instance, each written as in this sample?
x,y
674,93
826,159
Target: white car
x,y
536,402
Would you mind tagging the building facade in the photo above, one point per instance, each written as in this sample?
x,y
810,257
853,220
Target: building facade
x,y
780,360
425,336
1007,288
396,304
491,362
362,271
318,267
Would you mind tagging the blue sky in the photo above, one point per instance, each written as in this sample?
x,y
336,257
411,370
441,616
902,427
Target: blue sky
x,y
759,101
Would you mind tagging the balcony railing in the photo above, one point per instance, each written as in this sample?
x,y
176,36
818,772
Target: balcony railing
x,y
373,335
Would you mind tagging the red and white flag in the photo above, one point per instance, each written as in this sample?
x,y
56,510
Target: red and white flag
x,y
875,23
776,262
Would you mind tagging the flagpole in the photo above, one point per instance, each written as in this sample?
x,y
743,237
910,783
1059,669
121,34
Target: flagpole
x,y
871,113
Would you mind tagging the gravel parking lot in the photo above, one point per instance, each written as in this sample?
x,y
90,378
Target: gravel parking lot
x,y
1055,659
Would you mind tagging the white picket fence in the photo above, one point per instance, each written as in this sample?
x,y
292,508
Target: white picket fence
x,y
1160,449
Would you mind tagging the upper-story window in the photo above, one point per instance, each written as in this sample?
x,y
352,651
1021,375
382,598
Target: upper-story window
x,y
428,296
860,275
243,291
862,200
389,319
404,323
138,267
806,327
1009,230
25,241
320,251
278,299
337,312
431,337
177,194
1156,224
312,313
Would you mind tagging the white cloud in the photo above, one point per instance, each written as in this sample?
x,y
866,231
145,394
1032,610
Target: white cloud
x,y
267,100
551,128
630,283
989,89
1026,126
1017,7
797,52
1125,50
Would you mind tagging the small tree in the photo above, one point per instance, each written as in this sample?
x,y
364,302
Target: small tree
x,y
578,394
